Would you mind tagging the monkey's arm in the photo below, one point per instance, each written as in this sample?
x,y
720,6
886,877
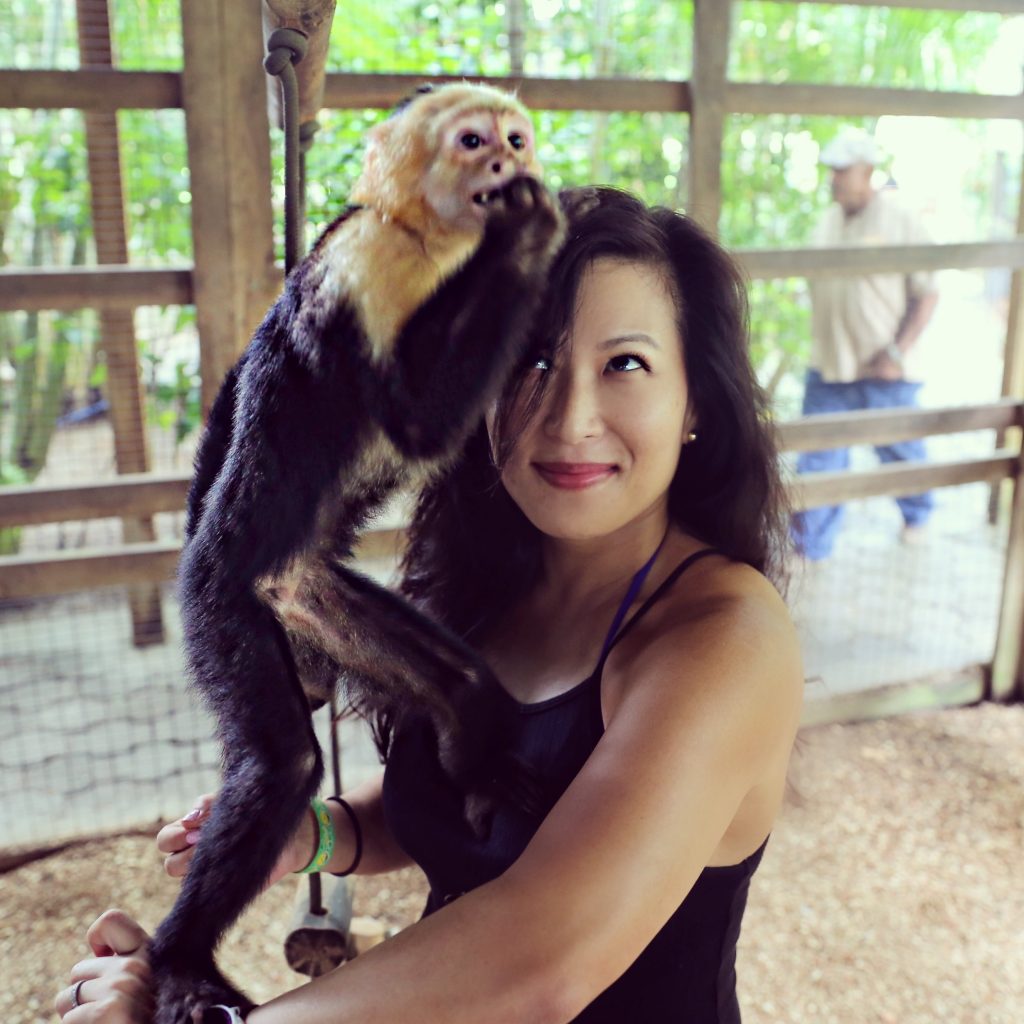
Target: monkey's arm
x,y
213,448
457,349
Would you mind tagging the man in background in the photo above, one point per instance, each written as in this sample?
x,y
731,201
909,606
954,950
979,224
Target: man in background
x,y
865,331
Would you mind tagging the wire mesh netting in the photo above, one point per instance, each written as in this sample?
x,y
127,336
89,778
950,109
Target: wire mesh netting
x,y
99,733
882,611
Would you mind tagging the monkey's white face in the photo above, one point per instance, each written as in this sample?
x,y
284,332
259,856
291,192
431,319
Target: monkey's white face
x,y
479,151
602,449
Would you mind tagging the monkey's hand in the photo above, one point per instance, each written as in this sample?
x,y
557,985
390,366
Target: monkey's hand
x,y
525,220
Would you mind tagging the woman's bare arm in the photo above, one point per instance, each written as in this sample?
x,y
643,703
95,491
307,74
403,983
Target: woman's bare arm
x,y
709,711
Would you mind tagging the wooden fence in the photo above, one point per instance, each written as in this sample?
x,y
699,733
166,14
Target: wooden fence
x,y
233,278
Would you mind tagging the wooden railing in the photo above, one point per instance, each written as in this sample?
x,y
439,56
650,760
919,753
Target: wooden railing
x,y
31,576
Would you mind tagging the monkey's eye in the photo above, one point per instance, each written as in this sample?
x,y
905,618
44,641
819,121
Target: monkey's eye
x,y
471,140
517,140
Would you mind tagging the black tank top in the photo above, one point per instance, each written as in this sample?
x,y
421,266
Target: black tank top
x,y
687,973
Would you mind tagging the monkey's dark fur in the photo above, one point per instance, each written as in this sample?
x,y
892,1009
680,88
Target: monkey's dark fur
x,y
313,429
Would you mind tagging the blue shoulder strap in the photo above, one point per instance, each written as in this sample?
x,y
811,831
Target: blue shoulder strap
x,y
634,589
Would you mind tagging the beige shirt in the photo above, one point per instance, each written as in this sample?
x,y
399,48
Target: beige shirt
x,y
853,317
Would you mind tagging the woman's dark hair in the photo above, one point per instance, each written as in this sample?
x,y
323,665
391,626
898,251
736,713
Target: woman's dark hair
x,y
472,552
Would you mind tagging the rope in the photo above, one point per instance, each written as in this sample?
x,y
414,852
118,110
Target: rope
x,y
307,131
285,48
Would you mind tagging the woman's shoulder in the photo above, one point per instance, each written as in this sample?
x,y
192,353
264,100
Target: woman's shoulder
x,y
717,617
712,586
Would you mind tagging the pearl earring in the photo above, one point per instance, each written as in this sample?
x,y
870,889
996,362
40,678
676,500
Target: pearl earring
x,y
691,436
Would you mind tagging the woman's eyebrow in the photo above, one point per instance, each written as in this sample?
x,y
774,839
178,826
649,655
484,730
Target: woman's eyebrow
x,y
629,339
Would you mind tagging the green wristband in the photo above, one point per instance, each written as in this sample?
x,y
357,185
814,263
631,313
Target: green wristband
x,y
325,847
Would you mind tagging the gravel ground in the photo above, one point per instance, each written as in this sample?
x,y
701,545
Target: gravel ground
x,y
890,892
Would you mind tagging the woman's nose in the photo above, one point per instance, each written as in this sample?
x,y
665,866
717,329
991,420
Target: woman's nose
x,y
572,414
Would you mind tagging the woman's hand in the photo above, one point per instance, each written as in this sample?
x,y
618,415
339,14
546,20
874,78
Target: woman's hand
x,y
178,842
113,986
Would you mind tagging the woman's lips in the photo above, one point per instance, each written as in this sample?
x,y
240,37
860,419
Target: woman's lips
x,y
575,476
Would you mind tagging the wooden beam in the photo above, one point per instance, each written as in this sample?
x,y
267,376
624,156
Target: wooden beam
x,y
711,20
812,490
882,426
117,326
313,18
382,92
866,101
97,89
23,576
943,690
229,156
982,6
1007,681
1013,347
106,287
154,90
864,260
130,495
63,572
124,287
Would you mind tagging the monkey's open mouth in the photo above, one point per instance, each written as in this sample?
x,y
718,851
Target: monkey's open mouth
x,y
484,198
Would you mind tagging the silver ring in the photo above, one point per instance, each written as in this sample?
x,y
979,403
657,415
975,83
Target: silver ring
x,y
76,988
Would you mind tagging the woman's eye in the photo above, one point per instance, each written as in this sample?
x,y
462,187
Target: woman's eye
x,y
627,363
516,140
470,140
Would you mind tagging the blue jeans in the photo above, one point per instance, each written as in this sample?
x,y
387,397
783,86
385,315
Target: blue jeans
x,y
814,530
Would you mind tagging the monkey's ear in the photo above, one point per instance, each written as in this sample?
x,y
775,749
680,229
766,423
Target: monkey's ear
x,y
375,161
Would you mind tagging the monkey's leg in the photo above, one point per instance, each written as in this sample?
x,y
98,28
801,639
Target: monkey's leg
x,y
259,512
271,768
457,349
403,660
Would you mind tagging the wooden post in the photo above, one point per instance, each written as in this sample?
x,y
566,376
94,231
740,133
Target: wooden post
x,y
1007,680
711,19
224,93
1013,349
117,327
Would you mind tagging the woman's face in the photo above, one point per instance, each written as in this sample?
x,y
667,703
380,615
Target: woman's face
x,y
603,446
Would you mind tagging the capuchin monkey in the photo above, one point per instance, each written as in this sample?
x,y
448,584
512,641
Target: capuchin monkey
x,y
390,340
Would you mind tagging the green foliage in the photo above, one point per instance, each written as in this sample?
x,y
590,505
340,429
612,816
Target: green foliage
x,y
571,39
170,370
772,193
154,169
836,44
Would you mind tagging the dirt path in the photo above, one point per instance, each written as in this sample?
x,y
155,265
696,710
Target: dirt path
x,y
889,894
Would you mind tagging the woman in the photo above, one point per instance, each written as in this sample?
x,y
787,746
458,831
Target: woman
x,y
626,541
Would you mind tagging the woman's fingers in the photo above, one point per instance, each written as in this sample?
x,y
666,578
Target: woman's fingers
x,y
111,989
176,864
177,839
115,932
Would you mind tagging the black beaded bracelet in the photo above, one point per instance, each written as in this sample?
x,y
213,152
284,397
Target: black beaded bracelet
x,y
358,834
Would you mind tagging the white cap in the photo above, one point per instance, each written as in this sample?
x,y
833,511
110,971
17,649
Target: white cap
x,y
850,148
